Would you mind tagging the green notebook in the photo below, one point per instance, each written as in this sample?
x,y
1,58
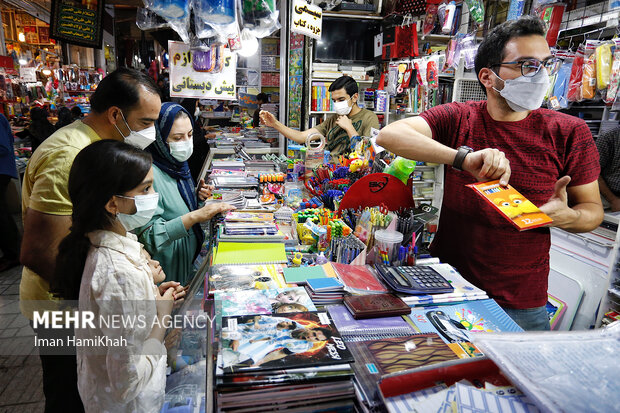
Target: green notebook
x,y
249,253
300,275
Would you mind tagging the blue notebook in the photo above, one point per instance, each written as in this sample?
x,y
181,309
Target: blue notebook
x,y
325,284
371,327
456,323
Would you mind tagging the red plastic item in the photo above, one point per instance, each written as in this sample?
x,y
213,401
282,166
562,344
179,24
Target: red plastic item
x,y
474,370
377,189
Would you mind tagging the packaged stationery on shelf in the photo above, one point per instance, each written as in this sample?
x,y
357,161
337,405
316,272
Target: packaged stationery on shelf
x,y
517,209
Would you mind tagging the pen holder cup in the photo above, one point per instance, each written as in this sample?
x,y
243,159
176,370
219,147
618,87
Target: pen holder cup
x,y
387,242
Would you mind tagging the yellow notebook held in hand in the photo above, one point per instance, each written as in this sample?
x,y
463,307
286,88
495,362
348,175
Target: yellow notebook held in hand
x,y
249,253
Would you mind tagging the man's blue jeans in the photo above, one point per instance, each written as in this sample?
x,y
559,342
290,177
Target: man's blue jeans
x,y
530,319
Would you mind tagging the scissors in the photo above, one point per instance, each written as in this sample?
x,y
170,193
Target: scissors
x,y
383,209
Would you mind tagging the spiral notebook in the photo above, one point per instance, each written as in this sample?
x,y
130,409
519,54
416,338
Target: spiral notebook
x,y
249,253
348,326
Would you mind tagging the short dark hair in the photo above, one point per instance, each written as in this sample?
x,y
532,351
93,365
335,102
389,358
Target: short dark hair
x,y
491,50
346,82
121,88
99,171
76,112
262,97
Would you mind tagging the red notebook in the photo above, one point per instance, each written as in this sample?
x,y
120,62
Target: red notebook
x,y
516,208
358,278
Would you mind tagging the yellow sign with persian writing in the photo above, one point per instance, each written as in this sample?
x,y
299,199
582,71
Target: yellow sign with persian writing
x,y
307,19
186,82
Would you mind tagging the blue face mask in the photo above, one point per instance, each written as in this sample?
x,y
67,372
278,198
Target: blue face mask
x,y
145,209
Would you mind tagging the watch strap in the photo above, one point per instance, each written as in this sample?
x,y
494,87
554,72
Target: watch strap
x,y
461,153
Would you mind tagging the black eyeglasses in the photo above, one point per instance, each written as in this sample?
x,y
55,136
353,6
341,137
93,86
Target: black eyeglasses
x,y
529,67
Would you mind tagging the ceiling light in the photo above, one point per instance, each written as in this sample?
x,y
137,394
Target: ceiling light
x,y
21,37
47,72
23,62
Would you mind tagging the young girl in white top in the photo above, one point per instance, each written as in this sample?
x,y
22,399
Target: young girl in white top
x,y
111,187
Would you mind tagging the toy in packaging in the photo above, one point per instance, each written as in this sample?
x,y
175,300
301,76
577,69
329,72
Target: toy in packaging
x,y
576,75
476,9
603,65
614,78
432,75
588,80
430,19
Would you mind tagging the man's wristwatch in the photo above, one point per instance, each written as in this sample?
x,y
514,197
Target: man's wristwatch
x,y
461,153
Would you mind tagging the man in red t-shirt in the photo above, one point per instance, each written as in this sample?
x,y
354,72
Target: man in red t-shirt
x,y
548,156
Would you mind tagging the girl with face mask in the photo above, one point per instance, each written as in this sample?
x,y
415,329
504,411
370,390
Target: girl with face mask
x,y
104,265
173,235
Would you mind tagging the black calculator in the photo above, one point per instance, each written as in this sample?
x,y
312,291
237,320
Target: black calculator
x,y
414,280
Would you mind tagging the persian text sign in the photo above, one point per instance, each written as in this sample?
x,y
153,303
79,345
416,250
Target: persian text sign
x,y
307,19
77,25
186,82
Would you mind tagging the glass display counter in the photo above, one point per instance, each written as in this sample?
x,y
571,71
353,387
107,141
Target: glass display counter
x,y
189,387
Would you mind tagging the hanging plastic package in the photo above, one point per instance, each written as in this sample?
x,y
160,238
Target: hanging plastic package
x,y
430,19
468,50
576,76
260,17
603,65
446,28
515,9
147,19
175,12
476,10
215,12
441,14
588,80
614,78
392,85
558,98
432,75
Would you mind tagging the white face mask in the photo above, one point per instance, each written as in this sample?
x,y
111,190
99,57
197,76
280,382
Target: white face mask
x,y
145,208
182,150
140,139
342,107
525,92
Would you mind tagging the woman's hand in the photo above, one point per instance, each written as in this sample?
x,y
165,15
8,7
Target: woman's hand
x,y
204,190
267,118
210,210
179,290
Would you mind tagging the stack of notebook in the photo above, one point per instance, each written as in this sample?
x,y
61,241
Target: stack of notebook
x,y
325,290
250,227
292,362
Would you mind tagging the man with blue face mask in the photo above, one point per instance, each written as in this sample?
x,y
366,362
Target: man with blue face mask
x,y
124,107
548,156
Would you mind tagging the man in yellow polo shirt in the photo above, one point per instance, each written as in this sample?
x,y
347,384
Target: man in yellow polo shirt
x,y
125,106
